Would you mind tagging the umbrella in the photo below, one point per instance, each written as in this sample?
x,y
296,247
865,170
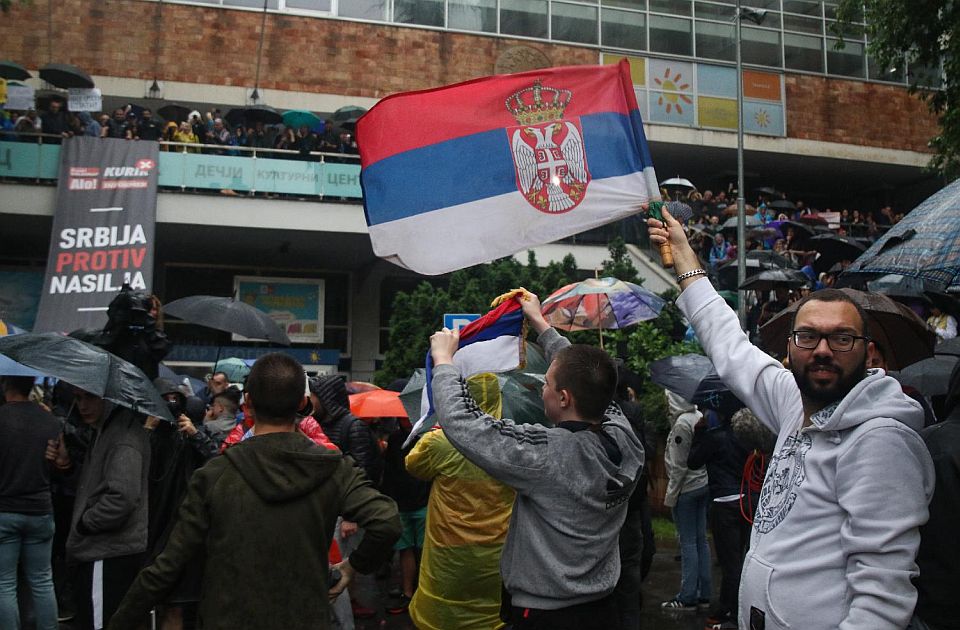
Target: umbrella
x,y
678,182
948,346
925,244
680,211
174,112
931,377
357,387
63,75
694,378
772,278
764,232
253,114
899,286
833,249
348,112
902,336
757,260
767,190
377,403
9,367
750,221
228,314
300,117
598,303
14,71
813,219
782,204
235,369
88,367
800,231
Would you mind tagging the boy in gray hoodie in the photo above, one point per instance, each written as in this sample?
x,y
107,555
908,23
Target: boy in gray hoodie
x,y
560,562
836,531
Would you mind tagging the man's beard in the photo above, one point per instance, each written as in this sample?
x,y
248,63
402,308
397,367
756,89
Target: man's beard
x,y
831,393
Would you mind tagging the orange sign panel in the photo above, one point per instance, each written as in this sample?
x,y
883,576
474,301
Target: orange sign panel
x,y
762,85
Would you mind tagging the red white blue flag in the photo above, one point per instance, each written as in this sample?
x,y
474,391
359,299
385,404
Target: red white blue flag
x,y
467,173
493,343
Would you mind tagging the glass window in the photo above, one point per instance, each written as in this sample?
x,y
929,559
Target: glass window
x,y
716,41
254,4
425,12
314,5
761,47
364,9
626,4
761,17
671,35
762,4
830,10
473,15
848,62
849,31
802,24
803,52
710,11
524,17
677,7
624,29
574,23
804,7
925,76
878,73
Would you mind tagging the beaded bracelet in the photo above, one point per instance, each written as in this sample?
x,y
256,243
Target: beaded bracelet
x,y
691,274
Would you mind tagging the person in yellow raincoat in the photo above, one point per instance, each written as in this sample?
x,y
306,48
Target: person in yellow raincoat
x,y
467,518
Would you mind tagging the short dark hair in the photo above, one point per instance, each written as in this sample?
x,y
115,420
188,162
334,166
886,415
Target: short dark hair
x,y
590,375
225,375
831,295
276,385
22,385
229,398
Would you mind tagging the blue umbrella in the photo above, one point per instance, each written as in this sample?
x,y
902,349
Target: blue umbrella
x,y
925,244
297,118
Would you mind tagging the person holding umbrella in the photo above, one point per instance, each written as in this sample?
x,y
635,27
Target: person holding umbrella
x,y
831,547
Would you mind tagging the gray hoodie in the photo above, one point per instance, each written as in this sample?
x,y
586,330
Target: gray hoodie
x,y
561,548
837,527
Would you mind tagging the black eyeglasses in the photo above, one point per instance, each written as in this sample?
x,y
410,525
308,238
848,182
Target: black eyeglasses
x,y
838,342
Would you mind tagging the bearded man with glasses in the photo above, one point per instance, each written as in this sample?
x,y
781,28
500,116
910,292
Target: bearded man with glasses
x,y
836,531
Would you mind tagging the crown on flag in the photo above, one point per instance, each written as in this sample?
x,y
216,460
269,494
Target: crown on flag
x,y
529,107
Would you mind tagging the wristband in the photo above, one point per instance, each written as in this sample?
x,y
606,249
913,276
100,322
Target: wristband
x,y
691,274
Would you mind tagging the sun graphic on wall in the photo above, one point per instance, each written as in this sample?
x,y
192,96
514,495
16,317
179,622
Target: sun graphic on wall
x,y
671,98
762,118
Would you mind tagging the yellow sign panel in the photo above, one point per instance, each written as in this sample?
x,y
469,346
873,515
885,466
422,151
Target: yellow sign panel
x,y
3,90
638,66
718,112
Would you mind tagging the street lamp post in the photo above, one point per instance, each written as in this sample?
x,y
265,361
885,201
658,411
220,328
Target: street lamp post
x,y
756,16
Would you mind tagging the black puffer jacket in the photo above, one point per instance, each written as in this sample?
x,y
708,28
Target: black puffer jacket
x,y
351,435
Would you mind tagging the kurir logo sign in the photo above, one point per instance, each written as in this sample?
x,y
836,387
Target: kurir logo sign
x,y
548,154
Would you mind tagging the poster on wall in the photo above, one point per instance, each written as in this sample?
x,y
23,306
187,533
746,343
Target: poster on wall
x,y
103,230
296,304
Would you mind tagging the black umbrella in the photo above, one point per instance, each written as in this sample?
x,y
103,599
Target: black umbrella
x,y
756,261
14,71
227,314
773,278
88,367
750,221
948,346
694,378
833,249
767,190
931,377
173,112
348,112
255,113
898,286
782,204
63,75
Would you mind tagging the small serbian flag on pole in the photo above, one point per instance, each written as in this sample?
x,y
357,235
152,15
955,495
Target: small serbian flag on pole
x,y
464,174
493,343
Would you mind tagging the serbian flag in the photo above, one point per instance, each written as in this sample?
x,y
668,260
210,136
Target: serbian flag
x,y
464,174
493,343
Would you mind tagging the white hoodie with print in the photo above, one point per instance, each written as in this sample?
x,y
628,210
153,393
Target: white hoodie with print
x,y
836,531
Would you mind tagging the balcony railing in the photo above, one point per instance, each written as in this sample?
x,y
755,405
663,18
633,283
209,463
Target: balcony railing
x,y
198,167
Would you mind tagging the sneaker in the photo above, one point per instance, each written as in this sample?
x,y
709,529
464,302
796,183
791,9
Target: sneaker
x,y
400,606
360,611
676,604
718,617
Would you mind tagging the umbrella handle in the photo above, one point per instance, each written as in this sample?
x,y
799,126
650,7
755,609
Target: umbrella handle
x,y
666,254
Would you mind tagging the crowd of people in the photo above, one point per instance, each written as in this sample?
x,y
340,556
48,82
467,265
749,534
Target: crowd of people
x,y
258,507
211,129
